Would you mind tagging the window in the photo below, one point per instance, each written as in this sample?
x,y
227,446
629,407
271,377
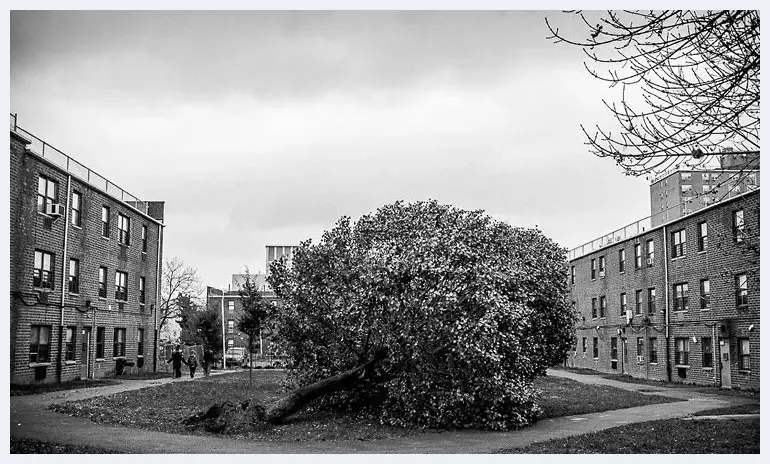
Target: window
x,y
77,199
572,275
602,306
42,274
69,344
682,357
593,269
706,188
703,236
650,252
680,297
637,256
593,308
601,266
100,342
639,302
596,348
678,243
119,343
585,345
741,291
614,348
708,352
121,291
650,301
141,290
39,343
744,354
140,342
231,306
105,221
685,176
230,326
686,189
103,282
738,226
622,304
653,350
640,346
705,294
73,279
47,193
230,342
622,261
144,239
124,229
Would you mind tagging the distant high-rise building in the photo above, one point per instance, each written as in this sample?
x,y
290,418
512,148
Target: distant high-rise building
x,y
274,252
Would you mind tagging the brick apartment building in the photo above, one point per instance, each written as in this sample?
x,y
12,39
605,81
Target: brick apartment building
x,y
679,192
229,303
85,261
677,301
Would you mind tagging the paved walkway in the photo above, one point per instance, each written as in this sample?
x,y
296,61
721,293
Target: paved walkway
x,y
31,419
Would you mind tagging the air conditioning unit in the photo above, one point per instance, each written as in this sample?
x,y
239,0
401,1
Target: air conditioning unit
x,y
601,273
54,209
629,316
649,261
640,359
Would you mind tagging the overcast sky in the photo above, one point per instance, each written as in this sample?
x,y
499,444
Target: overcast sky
x,y
264,128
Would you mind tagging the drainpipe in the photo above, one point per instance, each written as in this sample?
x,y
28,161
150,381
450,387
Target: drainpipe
x,y
64,274
158,283
666,304
716,356
224,349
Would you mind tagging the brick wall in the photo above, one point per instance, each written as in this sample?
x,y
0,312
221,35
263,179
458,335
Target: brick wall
x,y
722,260
31,230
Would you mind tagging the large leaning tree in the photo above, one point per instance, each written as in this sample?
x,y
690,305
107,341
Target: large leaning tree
x,y
688,84
437,316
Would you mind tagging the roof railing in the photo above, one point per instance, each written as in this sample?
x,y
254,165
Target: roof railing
x,y
57,157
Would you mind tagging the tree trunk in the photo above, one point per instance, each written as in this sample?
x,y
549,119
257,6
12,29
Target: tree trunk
x,y
293,402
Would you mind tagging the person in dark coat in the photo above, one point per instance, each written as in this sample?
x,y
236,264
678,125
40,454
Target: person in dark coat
x,y
176,362
207,361
192,363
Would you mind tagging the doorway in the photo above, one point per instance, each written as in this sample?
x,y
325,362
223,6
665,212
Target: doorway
x,y
724,362
85,353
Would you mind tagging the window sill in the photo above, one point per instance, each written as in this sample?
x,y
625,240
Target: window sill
x,y
681,311
682,366
106,238
743,371
705,309
77,227
101,298
69,363
707,368
47,364
124,245
653,363
99,359
140,356
144,252
73,294
702,252
115,358
678,258
596,359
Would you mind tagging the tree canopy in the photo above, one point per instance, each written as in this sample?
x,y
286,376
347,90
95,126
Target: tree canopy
x,y
689,83
439,316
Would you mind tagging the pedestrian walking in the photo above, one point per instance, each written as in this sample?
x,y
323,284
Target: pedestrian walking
x,y
176,362
207,361
192,363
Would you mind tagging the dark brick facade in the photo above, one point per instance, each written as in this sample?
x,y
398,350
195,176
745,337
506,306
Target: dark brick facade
x,y
723,325
84,309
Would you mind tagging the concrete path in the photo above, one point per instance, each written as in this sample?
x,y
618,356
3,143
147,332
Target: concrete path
x,y
31,419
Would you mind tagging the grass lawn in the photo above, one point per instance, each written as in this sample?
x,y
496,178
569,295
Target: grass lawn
x,y
566,397
163,408
26,446
739,409
658,437
19,390
660,383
